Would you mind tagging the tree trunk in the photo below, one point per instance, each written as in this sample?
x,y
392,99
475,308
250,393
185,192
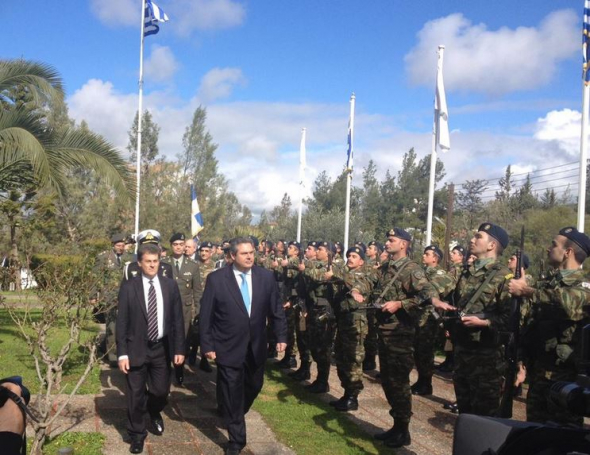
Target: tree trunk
x,y
14,261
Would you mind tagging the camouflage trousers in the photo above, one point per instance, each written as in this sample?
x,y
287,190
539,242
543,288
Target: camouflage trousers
x,y
539,408
396,348
371,340
424,342
320,339
350,350
291,324
478,378
110,336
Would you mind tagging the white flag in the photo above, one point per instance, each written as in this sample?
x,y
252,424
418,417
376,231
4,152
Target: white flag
x,y
441,112
196,217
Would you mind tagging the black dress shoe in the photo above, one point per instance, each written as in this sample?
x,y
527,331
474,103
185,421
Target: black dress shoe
x,y
136,446
204,365
287,362
158,425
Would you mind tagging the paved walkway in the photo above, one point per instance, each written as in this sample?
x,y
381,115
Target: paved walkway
x,y
192,425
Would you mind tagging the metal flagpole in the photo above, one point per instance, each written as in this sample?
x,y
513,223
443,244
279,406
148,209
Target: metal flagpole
x,y
583,159
349,172
139,115
301,182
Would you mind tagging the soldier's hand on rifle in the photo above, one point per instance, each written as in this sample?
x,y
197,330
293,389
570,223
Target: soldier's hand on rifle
x,y
519,287
391,306
357,296
439,304
301,267
328,275
474,321
284,263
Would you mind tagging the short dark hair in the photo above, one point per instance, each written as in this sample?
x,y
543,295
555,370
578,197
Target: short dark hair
x,y
579,254
233,245
147,248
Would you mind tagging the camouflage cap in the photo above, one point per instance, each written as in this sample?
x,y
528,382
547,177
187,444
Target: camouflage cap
x,y
399,233
579,238
205,245
436,250
148,236
496,232
177,236
356,249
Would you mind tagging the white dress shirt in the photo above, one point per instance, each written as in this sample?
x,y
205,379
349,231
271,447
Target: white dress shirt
x,y
238,276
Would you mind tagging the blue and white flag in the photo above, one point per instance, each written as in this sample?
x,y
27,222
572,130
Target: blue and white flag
x,y
196,217
585,43
152,15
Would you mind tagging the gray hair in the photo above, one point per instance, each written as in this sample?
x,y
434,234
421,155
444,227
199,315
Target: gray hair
x,y
233,244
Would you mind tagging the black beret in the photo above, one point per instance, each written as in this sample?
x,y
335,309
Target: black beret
x,y
269,244
313,243
117,238
436,250
328,246
526,262
399,233
295,244
177,236
254,240
496,232
459,248
205,245
338,244
376,244
361,245
356,249
579,238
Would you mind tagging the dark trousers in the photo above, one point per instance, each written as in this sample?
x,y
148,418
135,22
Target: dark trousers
x,y
236,390
147,390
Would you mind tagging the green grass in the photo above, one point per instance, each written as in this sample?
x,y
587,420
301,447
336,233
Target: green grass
x,y
26,296
304,423
15,359
82,443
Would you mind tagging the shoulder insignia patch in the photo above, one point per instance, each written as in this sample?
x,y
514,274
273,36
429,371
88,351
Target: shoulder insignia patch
x,y
133,273
509,276
440,272
585,284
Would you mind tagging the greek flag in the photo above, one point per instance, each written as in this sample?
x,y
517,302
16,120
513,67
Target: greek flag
x,y
585,44
196,217
152,15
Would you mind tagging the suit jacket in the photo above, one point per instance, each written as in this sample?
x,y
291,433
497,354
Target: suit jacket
x,y
225,326
132,320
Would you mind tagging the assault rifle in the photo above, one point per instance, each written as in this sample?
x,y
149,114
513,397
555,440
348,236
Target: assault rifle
x,y
511,346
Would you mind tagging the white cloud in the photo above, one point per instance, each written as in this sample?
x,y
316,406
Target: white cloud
x,y
563,128
116,12
190,15
493,62
161,65
219,83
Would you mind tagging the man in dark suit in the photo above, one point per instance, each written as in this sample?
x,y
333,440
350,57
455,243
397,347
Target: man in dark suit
x,y
150,333
235,307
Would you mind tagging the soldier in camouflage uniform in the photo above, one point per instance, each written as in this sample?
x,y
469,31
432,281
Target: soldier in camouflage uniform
x,y
206,266
109,264
187,275
402,288
552,340
354,287
374,250
483,299
319,300
427,330
302,315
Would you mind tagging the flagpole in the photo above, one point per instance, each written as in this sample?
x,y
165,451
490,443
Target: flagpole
x,y
435,129
583,158
349,174
301,182
139,115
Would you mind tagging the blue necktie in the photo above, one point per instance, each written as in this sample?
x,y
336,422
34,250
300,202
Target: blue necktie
x,y
245,293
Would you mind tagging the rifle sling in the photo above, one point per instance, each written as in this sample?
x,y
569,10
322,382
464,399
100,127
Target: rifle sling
x,y
479,290
388,287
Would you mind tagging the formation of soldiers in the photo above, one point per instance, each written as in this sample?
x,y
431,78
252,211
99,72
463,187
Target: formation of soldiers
x,y
373,300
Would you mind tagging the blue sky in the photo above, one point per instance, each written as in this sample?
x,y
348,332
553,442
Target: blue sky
x,y
267,68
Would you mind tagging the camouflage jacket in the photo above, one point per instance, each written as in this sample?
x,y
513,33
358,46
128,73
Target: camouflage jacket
x,y
109,271
442,281
455,271
291,278
318,291
559,311
493,303
204,269
348,281
411,287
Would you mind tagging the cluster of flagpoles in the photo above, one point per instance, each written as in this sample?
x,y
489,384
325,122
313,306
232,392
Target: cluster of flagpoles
x,y
152,15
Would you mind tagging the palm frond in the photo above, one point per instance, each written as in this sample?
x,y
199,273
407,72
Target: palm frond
x,y
42,79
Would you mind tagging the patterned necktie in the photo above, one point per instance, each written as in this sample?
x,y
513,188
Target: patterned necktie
x,y
152,313
245,293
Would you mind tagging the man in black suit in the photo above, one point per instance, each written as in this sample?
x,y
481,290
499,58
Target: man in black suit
x,y
150,333
235,307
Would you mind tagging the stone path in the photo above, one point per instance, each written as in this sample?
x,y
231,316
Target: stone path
x,y
192,425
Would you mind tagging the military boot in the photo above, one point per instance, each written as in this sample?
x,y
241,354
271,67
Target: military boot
x,y
288,361
350,403
422,387
320,385
400,436
369,363
384,435
303,373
